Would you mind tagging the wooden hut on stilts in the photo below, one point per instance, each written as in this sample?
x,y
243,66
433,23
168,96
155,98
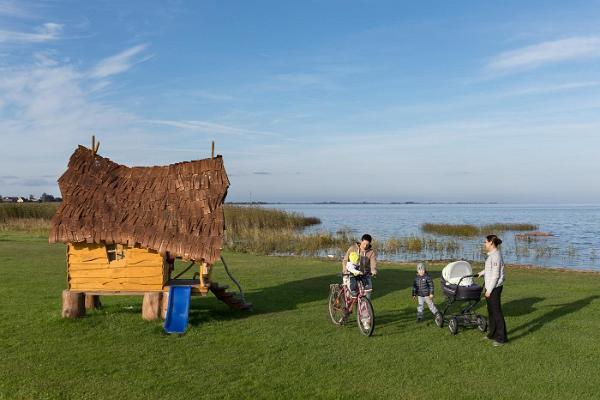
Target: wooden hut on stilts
x,y
125,226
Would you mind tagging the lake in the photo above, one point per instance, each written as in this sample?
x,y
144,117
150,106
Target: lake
x,y
575,243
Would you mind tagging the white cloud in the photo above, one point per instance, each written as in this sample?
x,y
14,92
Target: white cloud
x,y
210,127
119,63
204,94
48,31
549,52
11,9
561,87
46,109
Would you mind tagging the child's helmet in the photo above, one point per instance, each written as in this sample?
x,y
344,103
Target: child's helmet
x,y
354,258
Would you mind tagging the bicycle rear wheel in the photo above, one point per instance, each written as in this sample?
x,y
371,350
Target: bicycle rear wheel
x,y
365,316
336,304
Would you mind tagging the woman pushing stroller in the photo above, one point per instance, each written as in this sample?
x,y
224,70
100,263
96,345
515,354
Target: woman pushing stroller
x,y
494,280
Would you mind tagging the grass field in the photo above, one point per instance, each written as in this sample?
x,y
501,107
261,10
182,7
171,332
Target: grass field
x,y
287,347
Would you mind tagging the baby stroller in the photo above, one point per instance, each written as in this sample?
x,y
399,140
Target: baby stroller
x,y
457,285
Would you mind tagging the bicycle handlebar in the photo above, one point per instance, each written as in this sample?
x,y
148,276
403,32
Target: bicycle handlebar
x,y
356,276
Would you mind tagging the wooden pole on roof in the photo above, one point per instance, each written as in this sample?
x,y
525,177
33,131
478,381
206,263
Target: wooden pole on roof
x,y
213,150
95,145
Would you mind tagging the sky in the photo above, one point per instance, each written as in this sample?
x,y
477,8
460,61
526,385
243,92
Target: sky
x,y
311,100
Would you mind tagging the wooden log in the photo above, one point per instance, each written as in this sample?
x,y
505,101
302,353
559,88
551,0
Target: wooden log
x,y
151,306
92,301
73,304
205,275
165,305
114,287
102,274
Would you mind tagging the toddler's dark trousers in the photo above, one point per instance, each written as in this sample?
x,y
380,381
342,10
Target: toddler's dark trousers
x,y
497,326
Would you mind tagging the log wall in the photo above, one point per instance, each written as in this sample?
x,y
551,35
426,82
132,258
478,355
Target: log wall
x,y
89,269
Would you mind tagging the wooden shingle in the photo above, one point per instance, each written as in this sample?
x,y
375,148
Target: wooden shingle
x,y
176,208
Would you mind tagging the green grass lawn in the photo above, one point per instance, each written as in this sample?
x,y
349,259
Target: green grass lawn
x,y
287,347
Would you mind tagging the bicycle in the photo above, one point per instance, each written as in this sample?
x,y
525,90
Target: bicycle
x,y
341,304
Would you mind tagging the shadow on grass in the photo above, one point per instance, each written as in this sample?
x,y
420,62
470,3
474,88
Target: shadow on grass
x,y
516,308
290,295
398,318
560,310
407,317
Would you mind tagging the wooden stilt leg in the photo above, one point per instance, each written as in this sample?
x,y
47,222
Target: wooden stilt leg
x,y
73,304
205,273
151,306
92,301
165,305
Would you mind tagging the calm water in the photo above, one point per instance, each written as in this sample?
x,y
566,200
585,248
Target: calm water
x,y
576,228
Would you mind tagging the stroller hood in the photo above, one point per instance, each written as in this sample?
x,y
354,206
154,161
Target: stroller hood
x,y
456,270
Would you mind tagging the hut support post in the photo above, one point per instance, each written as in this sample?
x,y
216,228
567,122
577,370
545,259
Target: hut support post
x,y
73,304
92,301
164,305
151,306
205,276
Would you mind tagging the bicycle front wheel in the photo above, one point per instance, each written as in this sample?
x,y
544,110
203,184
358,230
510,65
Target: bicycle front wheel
x,y
336,304
366,316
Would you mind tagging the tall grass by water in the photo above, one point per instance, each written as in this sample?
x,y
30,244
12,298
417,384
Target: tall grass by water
x,y
256,230
264,231
27,210
239,218
236,216
29,218
468,230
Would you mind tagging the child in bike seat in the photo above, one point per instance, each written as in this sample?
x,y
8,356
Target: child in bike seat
x,y
353,268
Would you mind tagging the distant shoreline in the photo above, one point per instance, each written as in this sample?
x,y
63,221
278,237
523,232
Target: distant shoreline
x,y
260,203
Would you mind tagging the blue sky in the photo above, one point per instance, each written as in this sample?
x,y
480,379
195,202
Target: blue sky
x,y
311,100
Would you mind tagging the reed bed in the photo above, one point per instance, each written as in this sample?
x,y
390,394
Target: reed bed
x,y
246,217
236,216
500,227
416,244
249,229
264,231
32,226
286,242
533,236
450,229
468,230
27,210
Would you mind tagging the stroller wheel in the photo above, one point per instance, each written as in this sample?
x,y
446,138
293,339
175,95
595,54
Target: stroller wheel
x,y
481,323
453,325
439,319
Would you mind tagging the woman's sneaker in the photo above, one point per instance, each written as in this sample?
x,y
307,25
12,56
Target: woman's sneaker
x,y
497,344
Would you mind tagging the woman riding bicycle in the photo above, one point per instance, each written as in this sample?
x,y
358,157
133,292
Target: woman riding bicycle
x,y
367,263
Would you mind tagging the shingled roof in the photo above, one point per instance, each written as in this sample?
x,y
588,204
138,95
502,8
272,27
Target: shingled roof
x,y
176,208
